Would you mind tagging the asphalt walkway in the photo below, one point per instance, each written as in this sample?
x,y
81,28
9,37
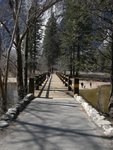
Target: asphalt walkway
x,y
54,123
55,88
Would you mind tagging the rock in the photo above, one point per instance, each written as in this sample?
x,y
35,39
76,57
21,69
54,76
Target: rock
x,y
101,118
79,99
30,96
22,106
10,116
13,111
107,127
3,124
5,117
108,130
17,106
26,101
102,123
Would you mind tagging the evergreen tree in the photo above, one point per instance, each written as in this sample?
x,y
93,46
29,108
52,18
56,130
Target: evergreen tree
x,y
34,37
76,33
32,42
51,42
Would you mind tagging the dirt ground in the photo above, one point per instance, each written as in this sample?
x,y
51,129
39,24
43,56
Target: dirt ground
x,y
92,84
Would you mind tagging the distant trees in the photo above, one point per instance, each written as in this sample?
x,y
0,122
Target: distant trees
x,y
88,24
51,42
76,31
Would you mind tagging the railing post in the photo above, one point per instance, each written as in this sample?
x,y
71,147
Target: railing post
x,y
69,84
76,85
65,78
37,82
31,85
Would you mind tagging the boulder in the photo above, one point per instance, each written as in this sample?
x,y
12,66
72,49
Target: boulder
x,y
10,116
29,96
13,111
3,124
5,117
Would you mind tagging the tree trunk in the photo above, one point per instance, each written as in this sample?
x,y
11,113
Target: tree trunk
x,y
2,94
73,58
110,107
20,74
71,62
78,58
19,64
26,64
3,97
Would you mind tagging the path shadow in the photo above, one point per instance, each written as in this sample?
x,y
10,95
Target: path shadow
x,y
38,128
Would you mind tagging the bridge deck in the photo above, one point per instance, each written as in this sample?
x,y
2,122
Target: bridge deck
x,y
57,123
55,89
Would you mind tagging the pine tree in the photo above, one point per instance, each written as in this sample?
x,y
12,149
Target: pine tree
x,y
51,42
32,43
76,33
34,38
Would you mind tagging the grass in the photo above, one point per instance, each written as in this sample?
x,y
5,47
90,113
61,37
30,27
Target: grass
x,y
98,97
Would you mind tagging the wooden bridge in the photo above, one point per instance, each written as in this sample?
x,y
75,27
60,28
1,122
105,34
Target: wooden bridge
x,y
53,88
54,121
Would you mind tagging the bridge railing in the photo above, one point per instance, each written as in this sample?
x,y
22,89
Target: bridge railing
x,y
39,79
73,85
66,79
36,81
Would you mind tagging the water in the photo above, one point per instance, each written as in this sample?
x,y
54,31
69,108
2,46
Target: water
x,y
12,95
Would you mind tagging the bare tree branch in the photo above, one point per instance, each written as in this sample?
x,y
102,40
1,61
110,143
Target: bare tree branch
x,y
11,43
48,4
7,29
10,61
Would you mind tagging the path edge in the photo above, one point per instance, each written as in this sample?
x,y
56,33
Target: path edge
x,y
95,116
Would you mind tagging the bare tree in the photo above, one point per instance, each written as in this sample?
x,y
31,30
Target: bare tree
x,y
17,37
4,86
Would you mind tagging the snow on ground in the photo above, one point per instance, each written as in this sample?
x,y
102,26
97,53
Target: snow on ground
x,y
12,80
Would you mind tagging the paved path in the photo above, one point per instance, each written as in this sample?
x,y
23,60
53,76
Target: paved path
x,y
55,88
54,124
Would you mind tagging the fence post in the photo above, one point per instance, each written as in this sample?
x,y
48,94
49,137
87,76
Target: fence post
x,y
76,85
37,82
69,84
31,85
65,78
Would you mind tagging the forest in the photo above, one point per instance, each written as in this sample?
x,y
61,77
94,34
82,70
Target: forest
x,y
37,36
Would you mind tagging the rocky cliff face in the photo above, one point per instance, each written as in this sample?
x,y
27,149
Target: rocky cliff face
x,y
7,18
4,8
